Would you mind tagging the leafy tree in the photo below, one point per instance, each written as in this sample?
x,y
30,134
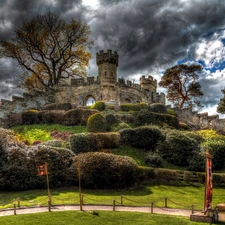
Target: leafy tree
x,y
221,105
182,84
49,50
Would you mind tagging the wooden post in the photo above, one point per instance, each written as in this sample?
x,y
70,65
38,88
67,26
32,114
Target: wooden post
x,y
79,179
165,202
18,202
114,205
121,200
82,199
152,207
49,205
14,208
49,195
192,209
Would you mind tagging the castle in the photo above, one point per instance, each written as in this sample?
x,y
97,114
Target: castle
x,y
107,87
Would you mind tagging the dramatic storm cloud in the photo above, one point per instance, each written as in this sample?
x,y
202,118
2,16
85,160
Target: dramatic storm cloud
x,y
149,36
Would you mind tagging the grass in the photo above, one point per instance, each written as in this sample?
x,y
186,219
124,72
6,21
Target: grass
x,y
179,196
97,218
42,131
137,154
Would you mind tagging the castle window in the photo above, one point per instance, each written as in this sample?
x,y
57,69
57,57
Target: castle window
x,y
105,73
112,74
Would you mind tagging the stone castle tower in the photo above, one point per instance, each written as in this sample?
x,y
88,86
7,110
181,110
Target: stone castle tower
x,y
107,68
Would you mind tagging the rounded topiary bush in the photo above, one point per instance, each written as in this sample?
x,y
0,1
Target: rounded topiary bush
x,y
100,106
97,123
111,119
78,116
158,108
104,170
178,148
146,137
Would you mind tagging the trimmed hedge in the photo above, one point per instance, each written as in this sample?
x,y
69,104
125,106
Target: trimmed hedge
x,y
105,170
111,119
145,117
58,106
133,107
146,137
158,108
159,175
100,106
97,123
90,142
78,116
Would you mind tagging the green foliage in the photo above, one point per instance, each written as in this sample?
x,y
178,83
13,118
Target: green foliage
x,y
133,107
189,89
58,106
97,123
119,126
100,106
90,142
111,119
178,148
197,162
158,108
166,175
104,170
127,118
215,143
78,116
42,132
221,105
145,117
83,143
171,112
153,159
146,137
146,173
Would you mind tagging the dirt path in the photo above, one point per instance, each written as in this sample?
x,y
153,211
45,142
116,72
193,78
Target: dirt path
x,y
168,211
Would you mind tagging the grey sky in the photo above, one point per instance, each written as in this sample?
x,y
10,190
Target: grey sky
x,y
149,36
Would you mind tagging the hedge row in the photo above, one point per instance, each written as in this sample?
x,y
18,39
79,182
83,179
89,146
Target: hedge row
x,y
90,142
167,175
133,107
144,117
104,170
146,137
58,106
78,116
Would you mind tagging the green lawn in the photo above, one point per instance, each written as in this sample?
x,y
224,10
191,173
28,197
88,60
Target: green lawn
x,y
97,218
182,196
42,131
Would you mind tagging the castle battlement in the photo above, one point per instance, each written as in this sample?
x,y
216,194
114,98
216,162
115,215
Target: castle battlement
x,y
108,56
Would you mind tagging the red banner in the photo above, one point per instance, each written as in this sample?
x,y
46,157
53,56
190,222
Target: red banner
x,y
42,170
208,184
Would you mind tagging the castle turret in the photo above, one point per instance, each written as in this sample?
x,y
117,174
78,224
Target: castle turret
x,y
148,83
107,68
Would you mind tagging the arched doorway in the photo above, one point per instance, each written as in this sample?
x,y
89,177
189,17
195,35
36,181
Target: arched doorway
x,y
89,101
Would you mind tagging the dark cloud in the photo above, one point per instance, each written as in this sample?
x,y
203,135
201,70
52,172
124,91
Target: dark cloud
x,y
149,35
